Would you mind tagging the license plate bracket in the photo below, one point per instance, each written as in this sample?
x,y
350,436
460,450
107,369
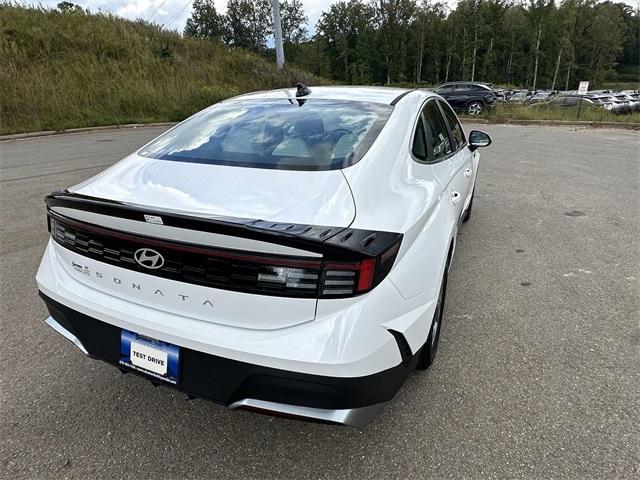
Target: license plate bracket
x,y
153,357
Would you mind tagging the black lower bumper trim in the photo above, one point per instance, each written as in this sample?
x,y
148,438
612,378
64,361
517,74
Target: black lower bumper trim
x,y
226,381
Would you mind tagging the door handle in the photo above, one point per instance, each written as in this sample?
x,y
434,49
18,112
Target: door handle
x,y
455,197
468,172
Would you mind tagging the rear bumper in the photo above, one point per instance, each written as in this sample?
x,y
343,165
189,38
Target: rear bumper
x,y
242,385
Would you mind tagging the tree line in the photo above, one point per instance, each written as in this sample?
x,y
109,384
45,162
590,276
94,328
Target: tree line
x,y
534,44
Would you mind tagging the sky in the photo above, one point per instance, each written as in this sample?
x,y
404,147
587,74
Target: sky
x,y
172,13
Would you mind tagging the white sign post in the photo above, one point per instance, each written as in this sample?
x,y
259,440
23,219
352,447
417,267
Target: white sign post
x,y
583,88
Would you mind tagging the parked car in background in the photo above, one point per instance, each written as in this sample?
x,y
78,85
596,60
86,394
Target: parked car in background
x,y
472,98
610,103
502,95
570,100
634,98
461,96
538,97
622,105
518,96
627,102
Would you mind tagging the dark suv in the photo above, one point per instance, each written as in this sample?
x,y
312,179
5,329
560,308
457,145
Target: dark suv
x,y
468,97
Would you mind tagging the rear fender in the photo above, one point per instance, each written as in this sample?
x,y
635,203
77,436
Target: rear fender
x,y
423,258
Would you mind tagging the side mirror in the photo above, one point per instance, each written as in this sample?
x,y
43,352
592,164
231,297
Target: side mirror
x,y
478,139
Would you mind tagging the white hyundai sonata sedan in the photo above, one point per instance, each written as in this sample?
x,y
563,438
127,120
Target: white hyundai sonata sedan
x,y
283,252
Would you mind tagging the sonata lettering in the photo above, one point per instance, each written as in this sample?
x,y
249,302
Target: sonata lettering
x,y
138,286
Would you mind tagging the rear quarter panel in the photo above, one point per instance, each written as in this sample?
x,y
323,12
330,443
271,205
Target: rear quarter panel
x,y
393,192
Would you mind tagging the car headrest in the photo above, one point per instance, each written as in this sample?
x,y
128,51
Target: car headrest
x,y
272,134
308,125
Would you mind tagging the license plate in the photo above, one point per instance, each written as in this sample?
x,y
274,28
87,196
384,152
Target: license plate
x,y
148,355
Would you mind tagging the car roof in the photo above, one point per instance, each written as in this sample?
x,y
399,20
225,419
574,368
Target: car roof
x,y
462,82
386,95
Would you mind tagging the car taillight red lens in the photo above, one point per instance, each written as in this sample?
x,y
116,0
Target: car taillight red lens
x,y
353,278
348,278
242,271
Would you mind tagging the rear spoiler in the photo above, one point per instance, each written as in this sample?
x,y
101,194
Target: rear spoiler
x,y
339,243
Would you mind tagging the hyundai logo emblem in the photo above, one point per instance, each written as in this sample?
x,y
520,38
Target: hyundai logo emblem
x,y
148,258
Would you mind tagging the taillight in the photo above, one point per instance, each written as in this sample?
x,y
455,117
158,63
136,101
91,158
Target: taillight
x,y
353,278
351,264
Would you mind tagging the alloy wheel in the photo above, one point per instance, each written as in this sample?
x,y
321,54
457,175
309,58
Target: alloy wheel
x,y
474,108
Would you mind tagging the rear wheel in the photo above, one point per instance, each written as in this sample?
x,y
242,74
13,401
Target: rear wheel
x,y
475,108
428,351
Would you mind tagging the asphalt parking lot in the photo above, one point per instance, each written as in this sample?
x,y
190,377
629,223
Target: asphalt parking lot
x,y
538,369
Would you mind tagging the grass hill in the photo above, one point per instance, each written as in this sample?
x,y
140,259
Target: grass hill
x,y
72,69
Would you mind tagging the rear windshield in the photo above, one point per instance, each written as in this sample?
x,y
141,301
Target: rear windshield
x,y
278,134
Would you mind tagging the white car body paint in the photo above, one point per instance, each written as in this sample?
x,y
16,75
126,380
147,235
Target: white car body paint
x,y
387,191
320,198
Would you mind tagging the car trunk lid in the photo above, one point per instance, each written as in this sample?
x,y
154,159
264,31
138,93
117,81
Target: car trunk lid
x,y
245,216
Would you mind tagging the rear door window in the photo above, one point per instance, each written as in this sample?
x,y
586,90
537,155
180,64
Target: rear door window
x,y
438,142
454,125
419,149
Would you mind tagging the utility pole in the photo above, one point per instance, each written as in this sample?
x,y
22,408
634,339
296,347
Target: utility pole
x,y
277,33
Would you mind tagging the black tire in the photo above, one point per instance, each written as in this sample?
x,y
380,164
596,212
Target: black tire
x,y
475,107
467,214
427,353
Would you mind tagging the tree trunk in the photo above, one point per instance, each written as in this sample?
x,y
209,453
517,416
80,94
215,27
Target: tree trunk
x,y
555,74
535,70
475,49
510,63
573,54
489,60
595,72
449,53
446,73
464,53
346,66
421,54
388,70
